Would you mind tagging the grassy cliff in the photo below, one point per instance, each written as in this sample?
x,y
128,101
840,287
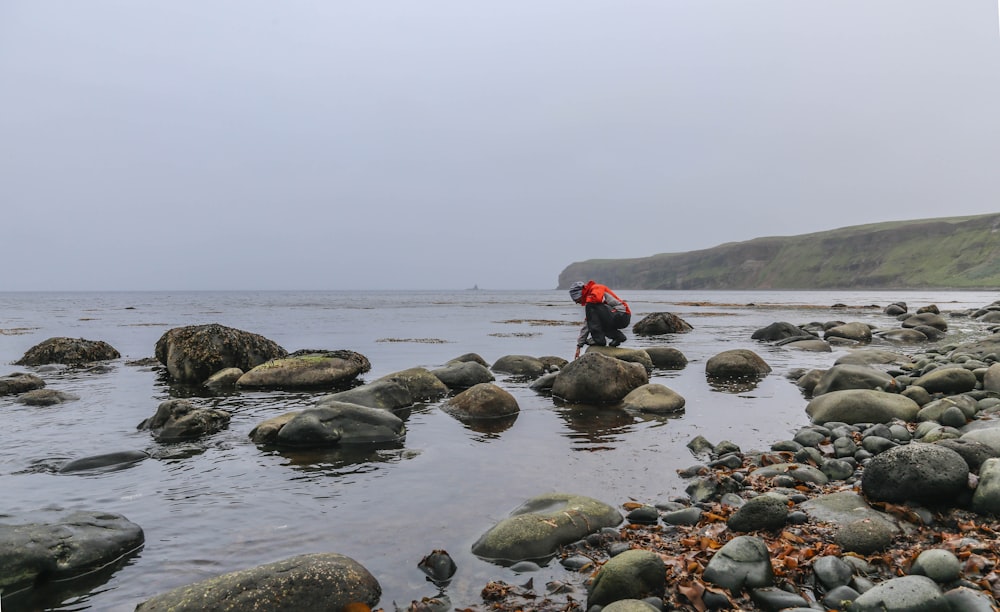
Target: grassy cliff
x,y
953,253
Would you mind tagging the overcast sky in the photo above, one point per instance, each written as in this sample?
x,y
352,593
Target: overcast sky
x,y
327,144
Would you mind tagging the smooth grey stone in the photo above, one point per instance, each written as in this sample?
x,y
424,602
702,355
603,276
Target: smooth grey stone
x,y
743,562
832,571
905,594
938,564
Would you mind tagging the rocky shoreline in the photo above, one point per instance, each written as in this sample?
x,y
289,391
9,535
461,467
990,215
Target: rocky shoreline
x,y
887,501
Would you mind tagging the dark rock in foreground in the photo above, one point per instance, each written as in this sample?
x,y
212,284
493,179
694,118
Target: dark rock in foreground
x,y
321,582
81,542
68,351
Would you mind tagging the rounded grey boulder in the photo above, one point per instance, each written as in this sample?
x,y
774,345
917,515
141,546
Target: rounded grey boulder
x,y
654,398
737,363
179,419
657,323
329,425
537,528
742,563
861,406
306,370
633,574
483,401
918,472
598,379
19,382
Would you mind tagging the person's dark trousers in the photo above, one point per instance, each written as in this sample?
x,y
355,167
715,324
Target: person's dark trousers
x,y
601,324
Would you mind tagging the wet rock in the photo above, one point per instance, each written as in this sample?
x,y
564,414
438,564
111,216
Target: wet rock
x,y
625,354
79,543
483,401
840,598
192,354
667,358
905,594
45,397
964,599
19,382
106,461
948,380
742,563
815,345
773,598
986,498
393,391
520,365
439,566
633,574
762,512
974,453
598,379
832,572
855,332
630,605
537,528
307,370
847,376
866,536
904,336
322,581
463,375
654,398
736,363
781,330
872,356
68,351
658,323
224,379
473,357
991,379
895,309
685,516
919,473
799,472
329,425
938,564
180,419
928,319
861,406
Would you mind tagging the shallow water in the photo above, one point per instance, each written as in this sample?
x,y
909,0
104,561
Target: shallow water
x,y
222,504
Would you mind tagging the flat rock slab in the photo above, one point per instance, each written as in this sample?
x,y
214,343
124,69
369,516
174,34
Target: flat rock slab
x,y
323,581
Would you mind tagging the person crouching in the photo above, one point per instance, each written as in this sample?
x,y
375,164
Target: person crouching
x,y
606,315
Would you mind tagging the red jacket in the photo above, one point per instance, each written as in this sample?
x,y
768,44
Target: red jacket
x,y
594,293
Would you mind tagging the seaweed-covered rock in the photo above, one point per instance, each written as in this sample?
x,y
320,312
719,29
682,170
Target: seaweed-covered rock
x,y
658,323
179,419
19,382
193,353
68,351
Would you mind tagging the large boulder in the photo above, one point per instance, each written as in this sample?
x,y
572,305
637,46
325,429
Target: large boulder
x,y
520,365
737,364
19,382
393,391
666,357
598,379
855,331
483,401
929,319
68,351
861,406
625,354
536,529
179,419
463,374
986,499
841,377
321,581
31,554
307,370
192,354
330,425
919,473
658,323
947,380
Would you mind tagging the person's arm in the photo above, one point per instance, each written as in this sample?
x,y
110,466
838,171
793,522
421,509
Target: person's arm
x,y
582,339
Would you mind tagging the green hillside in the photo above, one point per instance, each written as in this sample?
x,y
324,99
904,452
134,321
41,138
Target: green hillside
x,y
947,253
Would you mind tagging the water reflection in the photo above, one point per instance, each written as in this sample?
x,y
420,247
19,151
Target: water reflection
x,y
75,592
733,385
597,425
355,458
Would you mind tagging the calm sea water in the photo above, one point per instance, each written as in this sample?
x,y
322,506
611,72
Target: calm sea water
x,y
223,504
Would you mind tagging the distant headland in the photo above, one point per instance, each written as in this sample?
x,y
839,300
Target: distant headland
x,y
945,253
